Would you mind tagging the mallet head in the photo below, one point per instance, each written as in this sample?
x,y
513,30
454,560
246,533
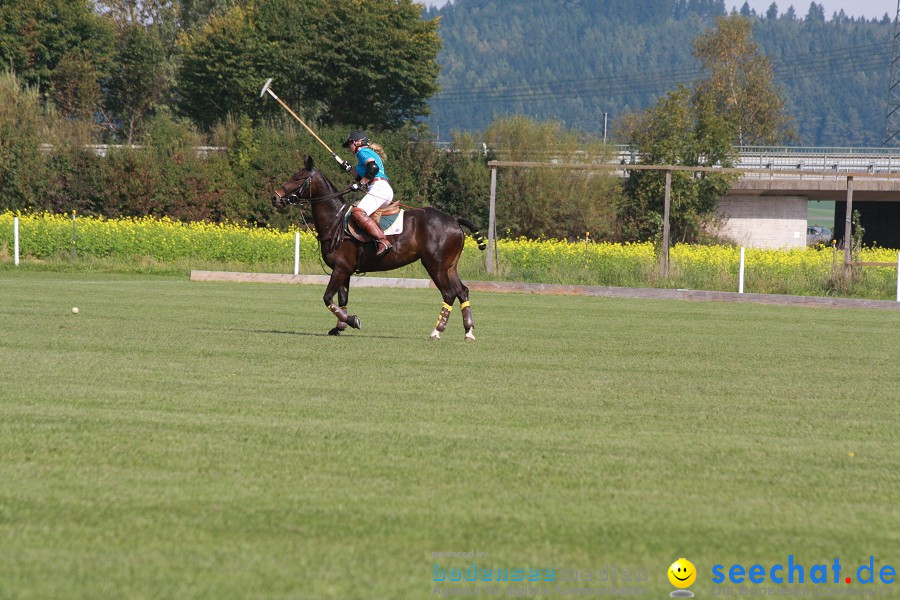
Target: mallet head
x,y
265,88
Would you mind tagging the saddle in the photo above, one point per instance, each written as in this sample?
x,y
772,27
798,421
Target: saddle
x,y
385,216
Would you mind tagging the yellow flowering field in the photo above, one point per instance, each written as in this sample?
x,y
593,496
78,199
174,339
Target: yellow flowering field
x,y
804,271
584,262
46,236
801,271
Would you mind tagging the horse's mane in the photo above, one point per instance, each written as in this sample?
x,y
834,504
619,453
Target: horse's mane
x,y
331,186
334,235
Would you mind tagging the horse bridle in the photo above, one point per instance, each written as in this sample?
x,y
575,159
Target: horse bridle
x,y
297,195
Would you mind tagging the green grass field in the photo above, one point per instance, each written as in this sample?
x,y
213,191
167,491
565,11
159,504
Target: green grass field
x,y
821,214
208,440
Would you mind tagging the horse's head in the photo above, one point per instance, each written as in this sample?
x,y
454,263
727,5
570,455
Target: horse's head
x,y
297,187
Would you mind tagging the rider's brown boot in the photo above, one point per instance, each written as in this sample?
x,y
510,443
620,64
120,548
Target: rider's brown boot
x,y
372,228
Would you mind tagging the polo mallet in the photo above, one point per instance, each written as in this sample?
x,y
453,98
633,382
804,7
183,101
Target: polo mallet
x,y
344,164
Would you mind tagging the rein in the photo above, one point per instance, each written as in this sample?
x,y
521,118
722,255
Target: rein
x,y
295,197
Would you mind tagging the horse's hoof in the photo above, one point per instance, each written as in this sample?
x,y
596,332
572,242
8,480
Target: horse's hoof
x,y
435,335
335,331
470,335
354,322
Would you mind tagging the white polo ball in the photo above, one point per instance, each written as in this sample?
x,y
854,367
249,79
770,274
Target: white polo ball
x,y
74,310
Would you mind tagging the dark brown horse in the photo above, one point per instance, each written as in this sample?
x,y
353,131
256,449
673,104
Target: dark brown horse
x,y
428,235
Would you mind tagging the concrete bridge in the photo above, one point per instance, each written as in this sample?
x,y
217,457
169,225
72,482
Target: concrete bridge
x,y
768,206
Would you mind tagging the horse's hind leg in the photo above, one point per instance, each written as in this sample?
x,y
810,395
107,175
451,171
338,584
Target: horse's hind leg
x,y
465,308
468,321
452,288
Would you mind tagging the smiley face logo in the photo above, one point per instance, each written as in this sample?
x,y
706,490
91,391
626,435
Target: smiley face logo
x,y
682,573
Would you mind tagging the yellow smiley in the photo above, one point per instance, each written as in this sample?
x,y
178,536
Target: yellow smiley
x,y
682,573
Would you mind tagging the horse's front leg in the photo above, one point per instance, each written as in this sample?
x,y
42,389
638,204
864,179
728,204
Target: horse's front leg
x,y
340,284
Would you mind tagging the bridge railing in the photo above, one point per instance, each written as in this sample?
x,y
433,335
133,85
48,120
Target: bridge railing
x,y
825,161
807,162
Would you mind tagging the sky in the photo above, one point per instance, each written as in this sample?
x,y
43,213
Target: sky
x,y
871,9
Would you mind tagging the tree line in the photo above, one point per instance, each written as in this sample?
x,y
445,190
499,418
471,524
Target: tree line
x,y
580,60
47,164
116,62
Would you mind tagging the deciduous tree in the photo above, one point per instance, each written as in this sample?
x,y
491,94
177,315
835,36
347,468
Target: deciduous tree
x,y
740,83
138,81
193,13
550,203
737,103
369,63
75,86
685,129
35,35
222,68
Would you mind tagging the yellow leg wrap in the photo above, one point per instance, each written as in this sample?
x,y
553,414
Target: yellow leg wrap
x,y
464,304
443,317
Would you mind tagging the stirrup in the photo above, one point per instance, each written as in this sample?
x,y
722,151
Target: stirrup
x,y
384,247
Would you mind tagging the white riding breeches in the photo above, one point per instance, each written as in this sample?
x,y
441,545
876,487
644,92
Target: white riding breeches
x,y
380,194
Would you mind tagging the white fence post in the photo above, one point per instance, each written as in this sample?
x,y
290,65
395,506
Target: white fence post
x,y
741,276
296,253
16,240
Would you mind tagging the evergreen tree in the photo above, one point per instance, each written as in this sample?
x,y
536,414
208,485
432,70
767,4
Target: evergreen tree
x,y
816,14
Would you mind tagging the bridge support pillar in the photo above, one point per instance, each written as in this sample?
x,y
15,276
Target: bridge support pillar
x,y
758,221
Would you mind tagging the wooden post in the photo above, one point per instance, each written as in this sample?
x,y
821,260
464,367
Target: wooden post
x,y
847,226
492,217
664,253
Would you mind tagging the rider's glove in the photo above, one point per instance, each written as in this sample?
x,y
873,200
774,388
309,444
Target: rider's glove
x,y
356,186
346,166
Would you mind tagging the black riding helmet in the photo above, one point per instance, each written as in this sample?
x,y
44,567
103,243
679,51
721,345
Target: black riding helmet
x,y
355,136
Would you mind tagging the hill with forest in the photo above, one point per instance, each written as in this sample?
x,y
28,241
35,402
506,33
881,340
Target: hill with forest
x,y
578,60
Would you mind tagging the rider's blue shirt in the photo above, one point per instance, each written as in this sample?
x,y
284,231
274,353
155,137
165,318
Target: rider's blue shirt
x,y
364,155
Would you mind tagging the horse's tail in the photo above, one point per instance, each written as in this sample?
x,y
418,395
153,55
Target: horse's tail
x,y
475,233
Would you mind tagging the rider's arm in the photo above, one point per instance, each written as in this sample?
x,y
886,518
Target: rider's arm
x,y
371,171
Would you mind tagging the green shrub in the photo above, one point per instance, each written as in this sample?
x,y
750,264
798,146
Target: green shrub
x,y
22,164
